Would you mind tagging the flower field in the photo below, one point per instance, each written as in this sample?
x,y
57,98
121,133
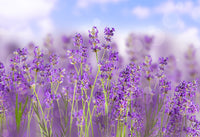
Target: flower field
x,y
85,89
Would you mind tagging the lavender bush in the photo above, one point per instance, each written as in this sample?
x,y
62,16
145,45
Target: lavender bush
x,y
89,92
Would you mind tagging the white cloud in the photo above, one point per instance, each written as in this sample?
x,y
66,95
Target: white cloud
x,y
87,3
171,7
172,12
25,10
183,8
45,25
172,21
19,16
189,36
141,12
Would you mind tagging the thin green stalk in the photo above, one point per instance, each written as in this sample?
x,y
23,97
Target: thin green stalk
x,y
163,115
132,129
103,54
118,127
83,104
38,101
29,119
121,132
124,127
91,94
59,111
71,119
51,124
16,112
76,69
145,112
76,106
91,122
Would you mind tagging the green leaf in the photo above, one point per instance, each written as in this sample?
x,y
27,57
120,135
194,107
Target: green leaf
x,y
25,105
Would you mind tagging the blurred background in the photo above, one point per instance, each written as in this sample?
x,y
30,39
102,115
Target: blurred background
x,y
172,24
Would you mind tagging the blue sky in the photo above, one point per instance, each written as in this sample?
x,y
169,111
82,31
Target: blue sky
x,y
127,14
32,20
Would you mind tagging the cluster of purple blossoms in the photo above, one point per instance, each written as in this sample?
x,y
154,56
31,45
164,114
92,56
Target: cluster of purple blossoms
x,y
80,54
182,107
148,69
94,41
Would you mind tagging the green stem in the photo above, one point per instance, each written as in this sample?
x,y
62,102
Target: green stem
x,y
91,122
34,91
91,94
71,118
103,54
118,127
163,115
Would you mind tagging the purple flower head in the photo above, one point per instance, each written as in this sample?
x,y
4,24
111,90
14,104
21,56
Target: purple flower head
x,y
2,70
15,59
192,108
61,73
93,34
95,48
106,66
1,66
165,85
83,52
148,60
78,40
80,119
38,59
94,41
79,55
99,102
37,52
53,59
85,81
19,57
113,56
72,55
108,33
49,97
106,46
23,54
162,62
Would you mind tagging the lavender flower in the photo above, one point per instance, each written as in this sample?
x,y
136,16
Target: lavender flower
x,y
94,41
108,33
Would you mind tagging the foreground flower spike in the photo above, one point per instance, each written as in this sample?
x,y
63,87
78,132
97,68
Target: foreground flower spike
x,y
53,59
148,68
38,59
162,62
108,34
165,85
78,40
94,41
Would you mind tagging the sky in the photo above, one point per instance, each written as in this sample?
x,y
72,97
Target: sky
x,y
32,20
